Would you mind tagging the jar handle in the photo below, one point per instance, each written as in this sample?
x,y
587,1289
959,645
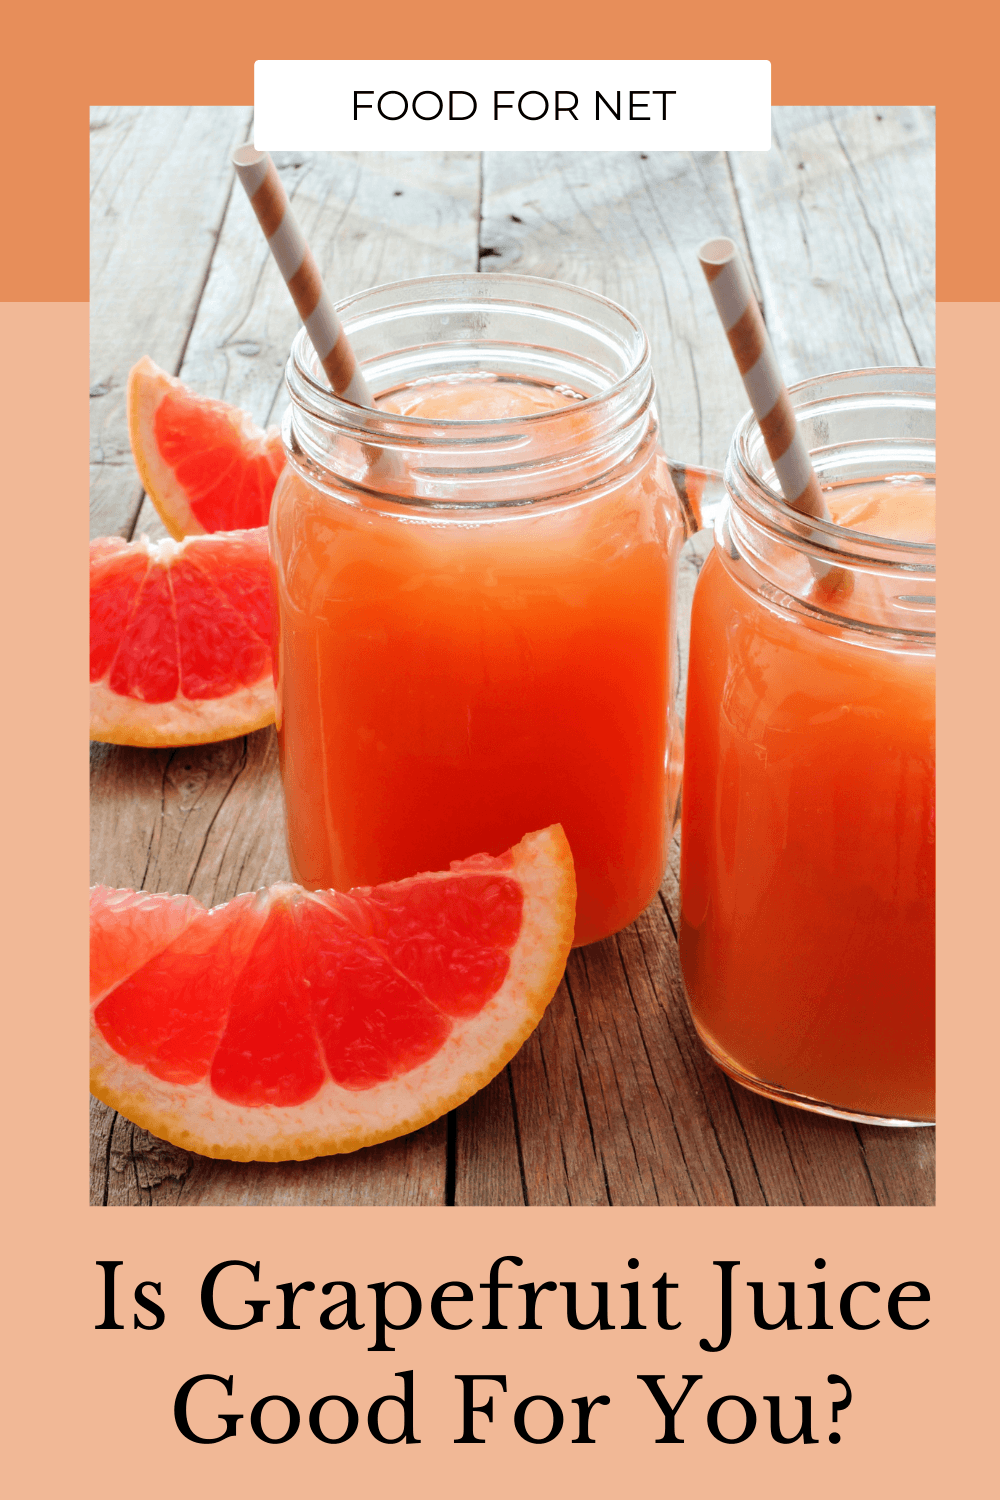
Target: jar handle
x,y
702,493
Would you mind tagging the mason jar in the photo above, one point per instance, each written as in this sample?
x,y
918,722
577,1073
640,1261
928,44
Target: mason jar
x,y
475,593
807,855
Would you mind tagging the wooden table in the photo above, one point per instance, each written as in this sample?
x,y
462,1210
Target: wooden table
x,y
613,1100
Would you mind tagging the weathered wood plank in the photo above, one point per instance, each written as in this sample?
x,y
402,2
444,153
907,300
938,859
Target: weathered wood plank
x,y
206,819
627,226
839,215
143,1171
901,1171
160,182
488,1163
102,1123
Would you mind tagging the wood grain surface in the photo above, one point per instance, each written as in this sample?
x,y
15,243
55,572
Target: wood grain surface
x,y
613,1100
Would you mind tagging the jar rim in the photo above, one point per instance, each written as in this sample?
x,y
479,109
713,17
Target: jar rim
x,y
915,383
460,324
304,366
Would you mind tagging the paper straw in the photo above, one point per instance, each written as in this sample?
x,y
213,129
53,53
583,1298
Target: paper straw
x,y
755,359
295,261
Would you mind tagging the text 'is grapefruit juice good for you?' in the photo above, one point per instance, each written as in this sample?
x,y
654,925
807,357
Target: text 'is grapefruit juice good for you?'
x,y
475,594
807,865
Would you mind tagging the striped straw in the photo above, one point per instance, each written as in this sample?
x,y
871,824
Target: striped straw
x,y
741,318
287,244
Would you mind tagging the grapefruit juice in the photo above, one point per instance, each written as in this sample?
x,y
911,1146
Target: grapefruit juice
x,y
807,871
455,671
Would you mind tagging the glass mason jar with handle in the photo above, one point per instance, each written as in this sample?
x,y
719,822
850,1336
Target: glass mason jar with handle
x,y
807,851
475,593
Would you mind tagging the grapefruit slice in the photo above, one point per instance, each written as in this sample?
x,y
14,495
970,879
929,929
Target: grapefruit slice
x,y
291,1024
205,465
180,635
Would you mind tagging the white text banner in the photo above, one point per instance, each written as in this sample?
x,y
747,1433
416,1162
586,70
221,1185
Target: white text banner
x,y
485,105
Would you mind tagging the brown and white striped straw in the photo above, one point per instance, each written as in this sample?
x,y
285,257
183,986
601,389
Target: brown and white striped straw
x,y
741,318
295,261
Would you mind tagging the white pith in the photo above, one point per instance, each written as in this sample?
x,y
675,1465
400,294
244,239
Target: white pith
x,y
338,1119
116,720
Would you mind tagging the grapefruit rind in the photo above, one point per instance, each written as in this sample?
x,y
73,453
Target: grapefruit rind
x,y
147,386
339,1120
116,720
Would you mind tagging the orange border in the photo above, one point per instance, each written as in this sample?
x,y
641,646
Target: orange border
x,y
92,1410
854,52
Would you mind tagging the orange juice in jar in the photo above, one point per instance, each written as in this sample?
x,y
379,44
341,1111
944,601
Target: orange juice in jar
x,y
475,590
807,854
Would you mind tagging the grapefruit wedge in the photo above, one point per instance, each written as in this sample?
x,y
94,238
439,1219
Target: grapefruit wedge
x,y
291,1024
180,635
205,465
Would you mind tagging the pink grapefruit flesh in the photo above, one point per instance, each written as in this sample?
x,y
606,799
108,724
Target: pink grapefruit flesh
x,y
291,1024
205,465
180,649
